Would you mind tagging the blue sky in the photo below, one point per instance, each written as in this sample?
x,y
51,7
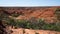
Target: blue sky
x,y
29,2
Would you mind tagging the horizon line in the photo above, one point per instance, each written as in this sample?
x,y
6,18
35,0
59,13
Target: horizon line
x,y
29,6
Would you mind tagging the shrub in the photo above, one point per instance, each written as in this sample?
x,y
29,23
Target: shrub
x,y
57,13
48,27
41,22
20,23
57,26
10,22
15,15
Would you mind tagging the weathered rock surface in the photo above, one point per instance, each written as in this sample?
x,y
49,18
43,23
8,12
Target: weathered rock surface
x,y
30,31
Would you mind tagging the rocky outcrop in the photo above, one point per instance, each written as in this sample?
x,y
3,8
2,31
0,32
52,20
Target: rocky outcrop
x,y
30,31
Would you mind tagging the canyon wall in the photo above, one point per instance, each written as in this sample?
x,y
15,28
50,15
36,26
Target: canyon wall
x,y
46,13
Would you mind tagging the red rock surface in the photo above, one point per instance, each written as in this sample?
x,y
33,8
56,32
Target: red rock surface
x,y
46,13
30,31
32,12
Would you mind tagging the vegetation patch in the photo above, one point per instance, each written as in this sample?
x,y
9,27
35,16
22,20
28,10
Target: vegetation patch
x,y
57,13
38,25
